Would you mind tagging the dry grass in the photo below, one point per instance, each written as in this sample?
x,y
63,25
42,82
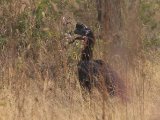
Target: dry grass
x,y
46,98
38,75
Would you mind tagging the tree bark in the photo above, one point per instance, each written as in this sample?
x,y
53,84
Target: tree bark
x,y
121,25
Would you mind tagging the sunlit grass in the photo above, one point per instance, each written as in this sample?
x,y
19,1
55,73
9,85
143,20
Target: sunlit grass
x,y
38,72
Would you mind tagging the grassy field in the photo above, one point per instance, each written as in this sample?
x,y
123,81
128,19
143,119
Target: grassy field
x,y
38,73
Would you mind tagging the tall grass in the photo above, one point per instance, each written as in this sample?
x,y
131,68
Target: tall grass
x,y
38,74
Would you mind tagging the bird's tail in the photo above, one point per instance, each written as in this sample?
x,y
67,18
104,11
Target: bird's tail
x,y
115,85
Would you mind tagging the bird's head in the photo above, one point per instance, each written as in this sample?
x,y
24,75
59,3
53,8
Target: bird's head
x,y
81,29
85,35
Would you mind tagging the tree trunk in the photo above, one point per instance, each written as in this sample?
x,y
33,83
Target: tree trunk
x,y
121,25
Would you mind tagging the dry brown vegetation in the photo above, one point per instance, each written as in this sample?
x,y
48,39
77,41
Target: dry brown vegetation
x,y
38,73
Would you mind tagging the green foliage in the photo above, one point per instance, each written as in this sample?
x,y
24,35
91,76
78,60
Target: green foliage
x,y
2,41
40,13
5,1
22,22
152,42
148,13
38,28
19,64
73,52
78,1
44,16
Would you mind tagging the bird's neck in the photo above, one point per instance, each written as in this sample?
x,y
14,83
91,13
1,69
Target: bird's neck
x,y
87,54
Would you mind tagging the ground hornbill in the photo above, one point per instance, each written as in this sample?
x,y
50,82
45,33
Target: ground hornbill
x,y
94,72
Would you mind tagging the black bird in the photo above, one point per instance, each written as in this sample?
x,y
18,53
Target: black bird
x,y
94,72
